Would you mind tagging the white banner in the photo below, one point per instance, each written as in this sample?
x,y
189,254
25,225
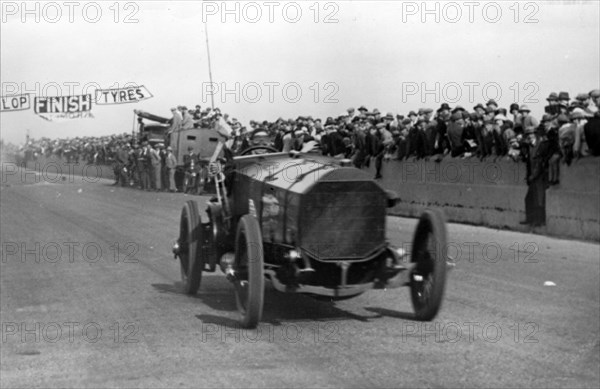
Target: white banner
x,y
131,94
62,108
15,103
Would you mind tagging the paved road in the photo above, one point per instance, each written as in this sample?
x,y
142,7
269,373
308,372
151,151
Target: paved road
x,y
97,303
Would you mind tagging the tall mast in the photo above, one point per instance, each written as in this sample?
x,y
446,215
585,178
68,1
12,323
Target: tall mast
x,y
212,96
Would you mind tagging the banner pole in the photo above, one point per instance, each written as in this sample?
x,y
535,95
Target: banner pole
x,y
133,128
212,97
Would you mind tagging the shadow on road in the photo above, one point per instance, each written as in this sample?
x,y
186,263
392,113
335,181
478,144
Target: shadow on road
x,y
383,312
218,294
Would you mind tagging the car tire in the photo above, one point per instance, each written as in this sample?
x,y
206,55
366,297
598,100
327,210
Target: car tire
x,y
428,278
250,282
190,241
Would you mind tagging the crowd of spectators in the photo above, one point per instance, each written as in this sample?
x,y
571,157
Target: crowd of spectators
x,y
571,128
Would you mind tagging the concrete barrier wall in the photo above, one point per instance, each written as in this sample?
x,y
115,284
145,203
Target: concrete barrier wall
x,y
54,168
488,193
492,193
573,207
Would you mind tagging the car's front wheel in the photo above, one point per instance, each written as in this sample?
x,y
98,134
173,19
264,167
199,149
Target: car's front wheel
x,y
428,278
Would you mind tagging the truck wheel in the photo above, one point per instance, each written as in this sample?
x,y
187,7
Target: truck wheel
x,y
428,279
190,240
249,283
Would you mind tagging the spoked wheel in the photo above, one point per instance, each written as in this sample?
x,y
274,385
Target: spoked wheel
x,y
255,150
190,245
428,278
249,282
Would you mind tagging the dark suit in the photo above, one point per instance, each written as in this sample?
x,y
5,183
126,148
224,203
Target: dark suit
x,y
592,134
144,166
537,179
190,164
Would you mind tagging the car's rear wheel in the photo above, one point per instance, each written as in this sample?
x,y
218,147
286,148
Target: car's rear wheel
x,y
190,241
428,278
249,282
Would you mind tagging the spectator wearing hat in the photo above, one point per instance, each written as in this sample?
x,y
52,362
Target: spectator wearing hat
x,y
377,148
480,109
287,139
176,121
156,167
402,147
550,127
417,140
455,134
492,104
121,159
566,137
500,145
563,101
592,128
412,115
144,165
164,172
594,105
537,156
187,122
351,114
517,119
133,173
528,122
359,143
440,140
469,134
171,164
486,140
580,119
190,163
553,107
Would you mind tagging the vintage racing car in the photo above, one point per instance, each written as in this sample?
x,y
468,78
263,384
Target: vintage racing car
x,y
308,224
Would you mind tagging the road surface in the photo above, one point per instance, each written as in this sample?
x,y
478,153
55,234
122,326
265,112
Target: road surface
x,y
90,296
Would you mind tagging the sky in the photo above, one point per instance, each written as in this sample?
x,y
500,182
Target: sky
x,y
284,59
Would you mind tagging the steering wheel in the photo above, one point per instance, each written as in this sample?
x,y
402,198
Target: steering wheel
x,y
257,150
